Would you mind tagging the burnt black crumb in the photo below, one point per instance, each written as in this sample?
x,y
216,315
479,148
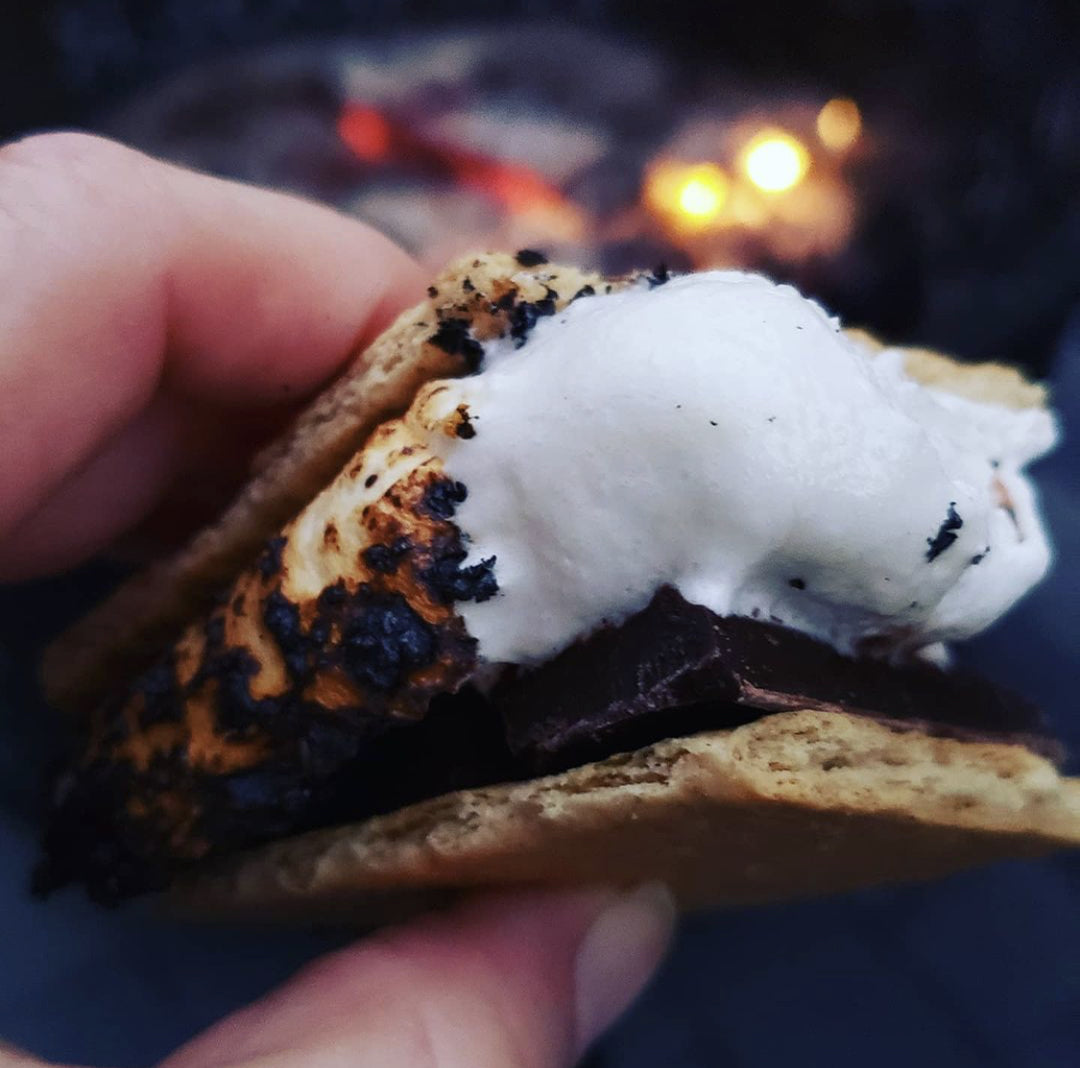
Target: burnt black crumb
x,y
284,792
327,742
454,338
282,619
91,837
384,640
979,557
321,630
270,560
506,301
231,669
712,422
385,558
529,257
370,481
215,632
255,804
524,316
162,700
771,419
468,286
432,292
995,464
442,497
163,764
607,288
114,726
584,291
450,582
658,276
333,596
465,428
235,708
264,790
797,583
945,535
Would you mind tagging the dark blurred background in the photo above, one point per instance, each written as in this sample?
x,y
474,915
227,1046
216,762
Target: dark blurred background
x,y
916,165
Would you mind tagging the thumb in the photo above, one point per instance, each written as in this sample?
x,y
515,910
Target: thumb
x,y
527,980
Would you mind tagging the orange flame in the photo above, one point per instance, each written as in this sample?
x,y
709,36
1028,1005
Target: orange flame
x,y
375,138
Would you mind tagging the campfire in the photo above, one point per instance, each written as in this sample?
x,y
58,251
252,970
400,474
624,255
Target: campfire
x,y
718,192
591,150
741,191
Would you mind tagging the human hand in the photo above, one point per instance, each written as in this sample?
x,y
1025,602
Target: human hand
x,y
155,325
523,980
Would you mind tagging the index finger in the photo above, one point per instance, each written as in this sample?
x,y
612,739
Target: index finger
x,y
122,276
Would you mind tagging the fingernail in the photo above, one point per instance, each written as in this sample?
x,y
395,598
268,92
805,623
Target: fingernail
x,y
618,956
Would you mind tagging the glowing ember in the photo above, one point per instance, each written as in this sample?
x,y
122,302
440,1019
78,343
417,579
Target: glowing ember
x,y
366,132
375,137
839,124
775,161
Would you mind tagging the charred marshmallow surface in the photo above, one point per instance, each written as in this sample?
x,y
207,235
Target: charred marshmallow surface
x,y
721,435
291,693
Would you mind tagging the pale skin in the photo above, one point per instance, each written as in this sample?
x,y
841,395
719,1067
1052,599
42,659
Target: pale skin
x,y
155,325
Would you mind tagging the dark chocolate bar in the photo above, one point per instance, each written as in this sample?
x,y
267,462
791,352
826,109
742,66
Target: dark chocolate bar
x,y
676,663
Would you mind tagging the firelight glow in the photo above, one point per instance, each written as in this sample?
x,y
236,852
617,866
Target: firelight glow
x,y
775,161
693,195
703,191
839,124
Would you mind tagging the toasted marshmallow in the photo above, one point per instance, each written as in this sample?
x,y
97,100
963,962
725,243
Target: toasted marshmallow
x,y
722,435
